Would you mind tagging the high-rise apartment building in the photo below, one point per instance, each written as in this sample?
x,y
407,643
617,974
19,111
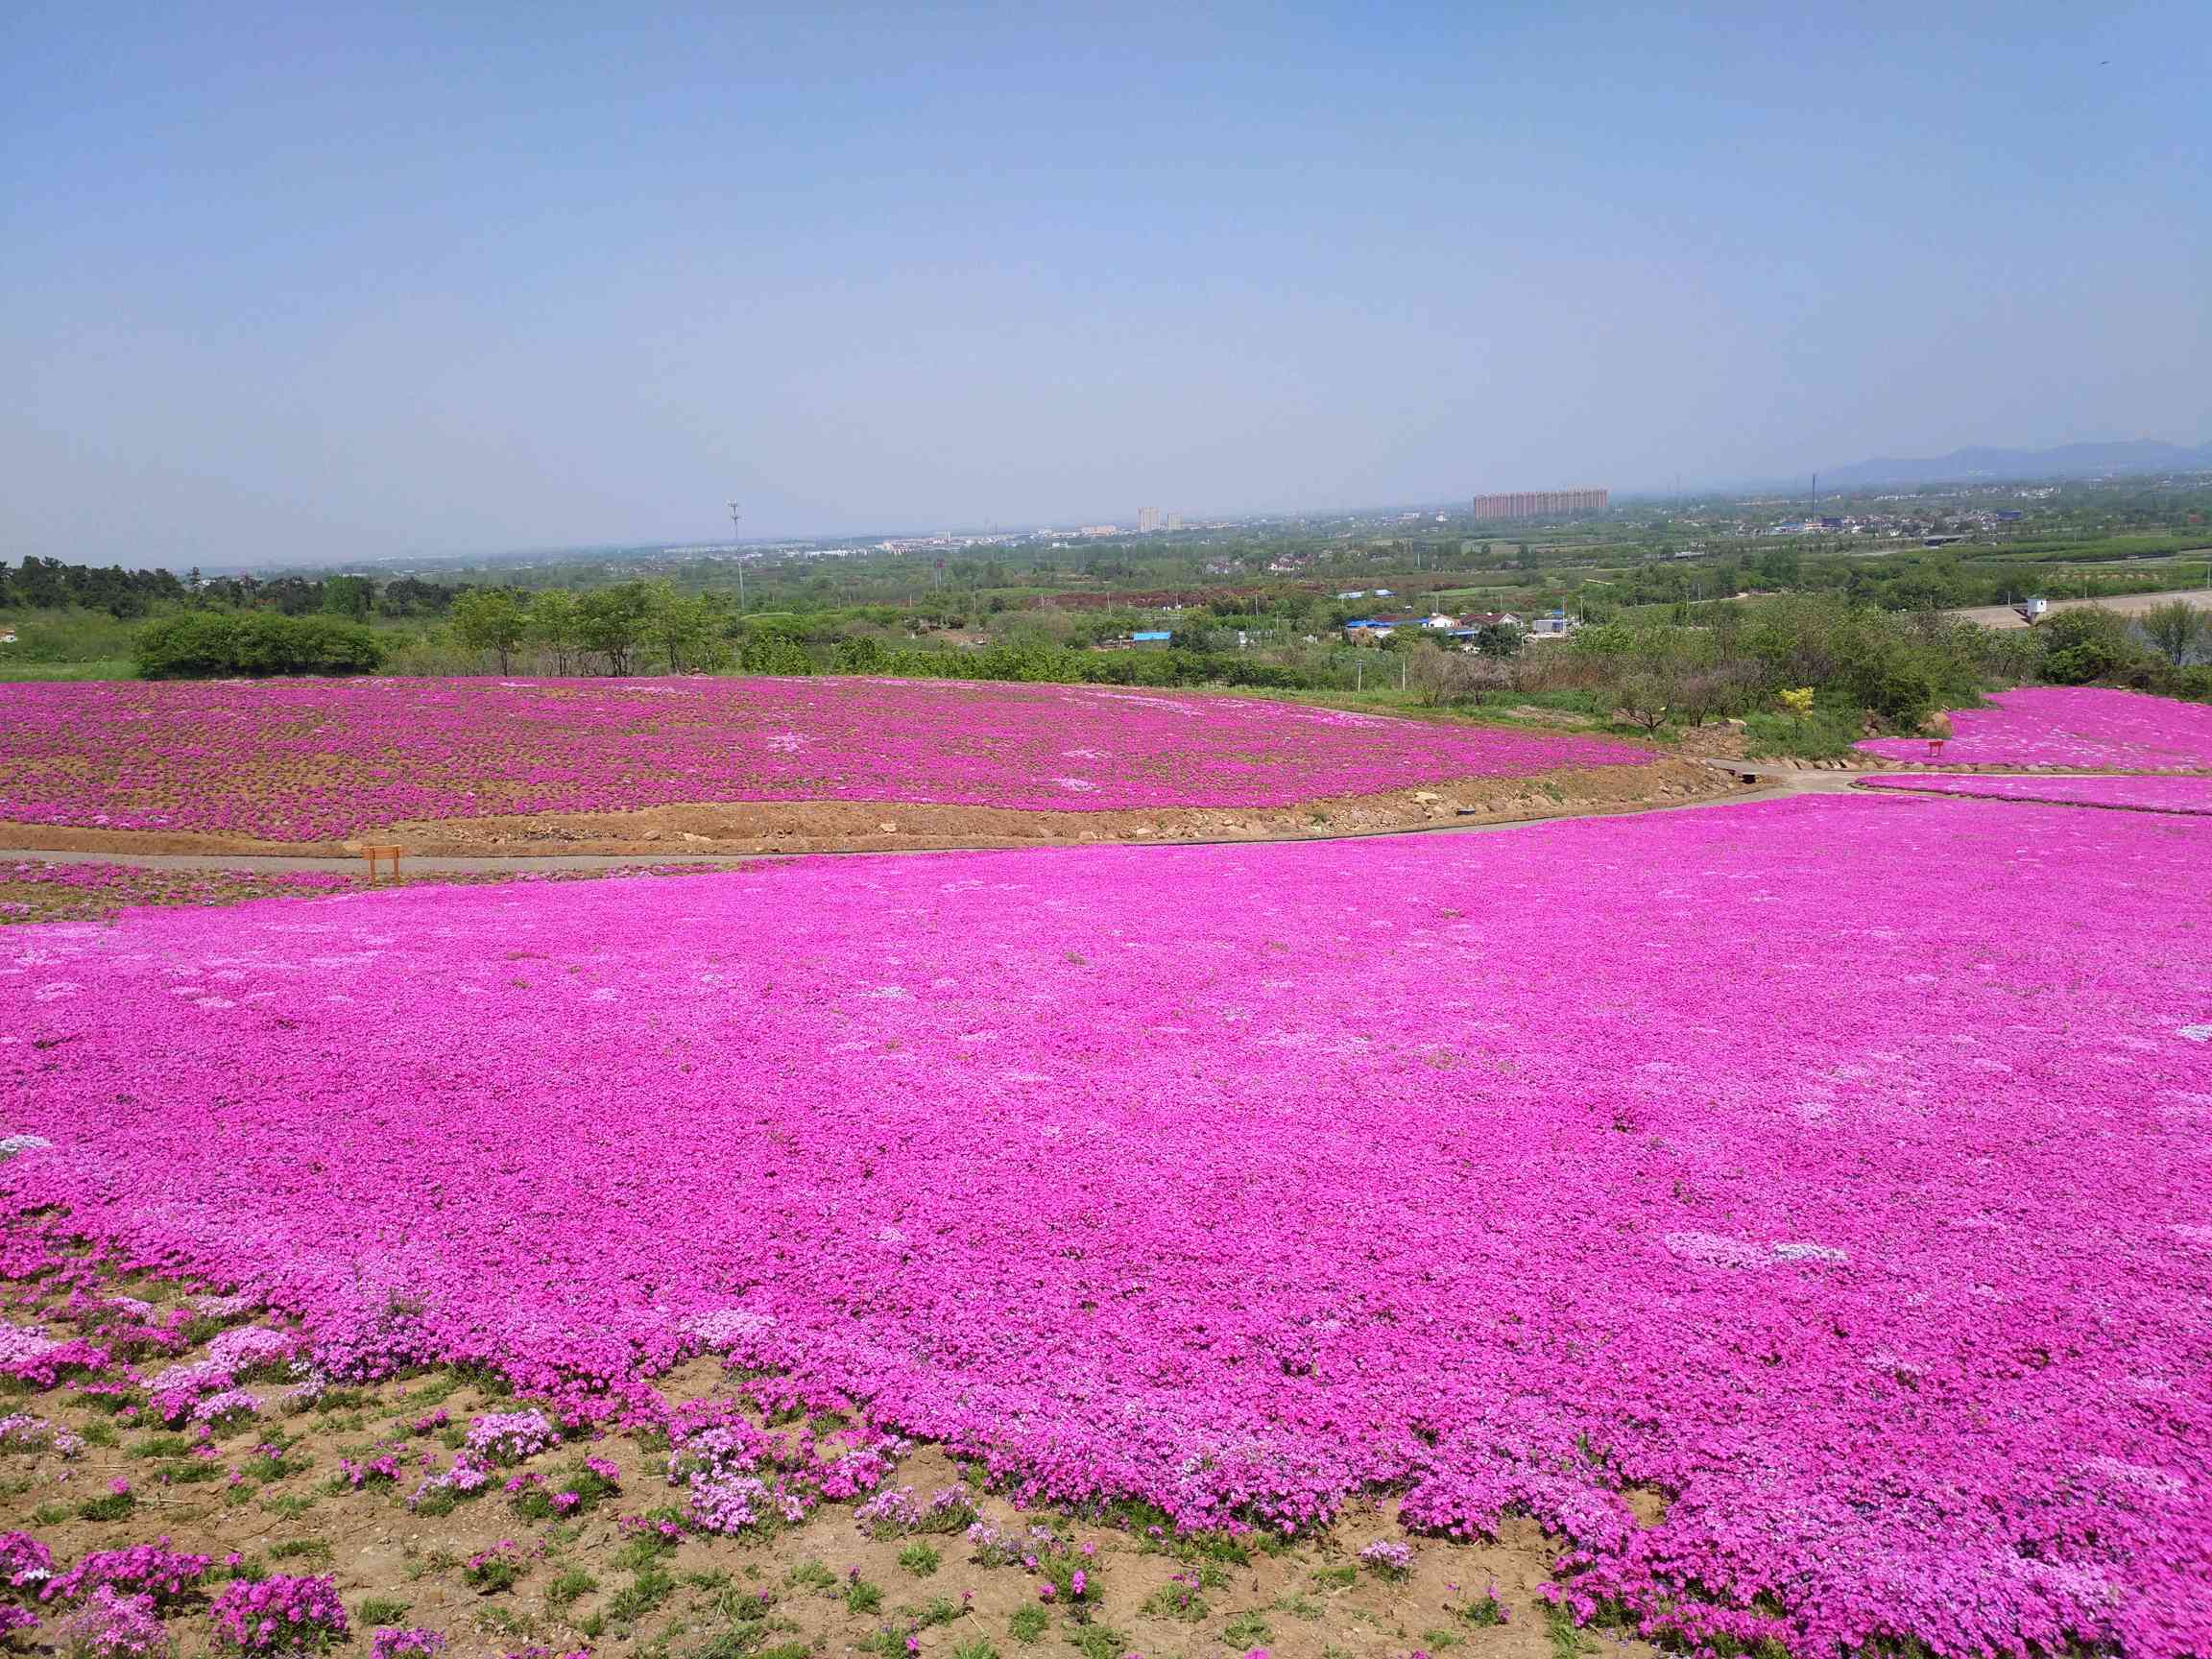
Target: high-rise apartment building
x,y
1540,503
1147,520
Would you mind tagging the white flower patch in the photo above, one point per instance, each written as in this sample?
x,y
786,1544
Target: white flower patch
x,y
1710,1250
2158,1482
728,1326
1803,1252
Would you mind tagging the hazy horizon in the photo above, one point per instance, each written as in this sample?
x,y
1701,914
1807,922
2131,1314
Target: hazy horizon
x,y
291,286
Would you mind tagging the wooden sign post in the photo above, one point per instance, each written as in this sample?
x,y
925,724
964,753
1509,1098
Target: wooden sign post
x,y
373,853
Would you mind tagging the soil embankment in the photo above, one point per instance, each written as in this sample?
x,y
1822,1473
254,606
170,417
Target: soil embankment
x,y
748,826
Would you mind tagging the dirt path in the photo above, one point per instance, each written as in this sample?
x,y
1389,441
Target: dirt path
x,y
749,829
1736,784
1727,791
2003,616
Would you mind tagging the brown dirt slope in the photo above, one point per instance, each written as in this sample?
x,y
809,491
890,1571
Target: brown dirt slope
x,y
745,827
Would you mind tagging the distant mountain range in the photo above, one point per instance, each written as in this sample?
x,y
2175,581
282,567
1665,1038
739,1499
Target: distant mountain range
x,y
2067,461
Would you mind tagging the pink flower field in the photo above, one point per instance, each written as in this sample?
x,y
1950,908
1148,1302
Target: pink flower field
x,y
2188,795
1837,1168
2087,727
309,760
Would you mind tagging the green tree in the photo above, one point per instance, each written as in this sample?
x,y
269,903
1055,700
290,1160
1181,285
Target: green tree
x,y
613,623
861,656
490,619
1497,639
1602,639
351,597
690,631
2177,631
554,622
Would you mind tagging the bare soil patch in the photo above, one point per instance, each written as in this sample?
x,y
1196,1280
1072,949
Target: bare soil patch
x,y
751,826
611,1581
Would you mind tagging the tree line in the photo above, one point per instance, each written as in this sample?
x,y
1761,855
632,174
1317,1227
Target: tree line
x,y
50,585
1813,673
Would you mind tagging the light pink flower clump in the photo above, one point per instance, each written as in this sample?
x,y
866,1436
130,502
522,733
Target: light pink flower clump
x,y
2084,728
1834,1166
318,760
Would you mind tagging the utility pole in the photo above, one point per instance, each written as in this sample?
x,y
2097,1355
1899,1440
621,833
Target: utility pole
x,y
737,547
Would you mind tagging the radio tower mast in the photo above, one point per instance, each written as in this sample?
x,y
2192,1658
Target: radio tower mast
x,y
737,547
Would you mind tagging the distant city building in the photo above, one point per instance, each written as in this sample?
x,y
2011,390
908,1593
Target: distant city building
x,y
1147,520
1540,503
1175,520
1100,530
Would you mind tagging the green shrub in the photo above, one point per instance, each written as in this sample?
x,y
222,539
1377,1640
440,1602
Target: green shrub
x,y
2194,684
216,644
2086,645
1825,734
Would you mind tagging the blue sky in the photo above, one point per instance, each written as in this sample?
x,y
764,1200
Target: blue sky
x,y
296,282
